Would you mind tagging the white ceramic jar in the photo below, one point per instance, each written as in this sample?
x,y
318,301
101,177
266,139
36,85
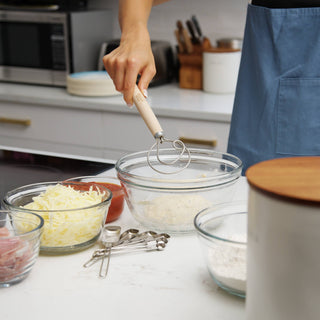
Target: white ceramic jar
x,y
283,252
220,70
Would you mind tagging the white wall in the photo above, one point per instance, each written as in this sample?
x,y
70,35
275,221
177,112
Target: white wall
x,y
218,18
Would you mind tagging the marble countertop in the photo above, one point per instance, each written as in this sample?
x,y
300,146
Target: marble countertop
x,y
169,284
167,100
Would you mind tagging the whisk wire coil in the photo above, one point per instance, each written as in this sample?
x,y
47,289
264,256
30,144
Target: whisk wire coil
x,y
177,145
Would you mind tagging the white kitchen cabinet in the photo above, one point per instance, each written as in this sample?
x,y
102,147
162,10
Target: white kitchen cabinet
x,y
128,133
51,129
50,120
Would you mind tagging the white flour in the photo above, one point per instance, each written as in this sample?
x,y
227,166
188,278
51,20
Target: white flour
x,y
175,210
228,263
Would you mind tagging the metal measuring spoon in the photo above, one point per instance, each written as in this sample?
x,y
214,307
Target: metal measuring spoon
x,y
141,237
110,236
148,236
149,245
98,254
127,236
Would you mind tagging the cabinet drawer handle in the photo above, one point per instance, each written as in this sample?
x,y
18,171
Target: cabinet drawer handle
x,y
21,122
210,143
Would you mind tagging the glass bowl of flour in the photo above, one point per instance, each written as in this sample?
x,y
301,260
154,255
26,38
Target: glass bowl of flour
x,y
169,202
222,231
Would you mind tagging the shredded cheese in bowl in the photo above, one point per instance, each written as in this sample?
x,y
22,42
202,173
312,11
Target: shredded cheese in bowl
x,y
71,217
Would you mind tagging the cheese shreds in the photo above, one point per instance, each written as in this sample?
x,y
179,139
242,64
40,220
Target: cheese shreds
x,y
67,226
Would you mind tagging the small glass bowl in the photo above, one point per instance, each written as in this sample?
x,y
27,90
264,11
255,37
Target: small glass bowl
x,y
222,231
169,202
65,230
20,234
111,183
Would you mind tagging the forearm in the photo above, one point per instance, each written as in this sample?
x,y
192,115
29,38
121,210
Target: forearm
x,y
134,55
133,14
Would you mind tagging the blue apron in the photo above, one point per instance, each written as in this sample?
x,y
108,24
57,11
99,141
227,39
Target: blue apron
x,y
276,110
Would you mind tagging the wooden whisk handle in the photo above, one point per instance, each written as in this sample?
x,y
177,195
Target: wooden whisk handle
x,y
146,113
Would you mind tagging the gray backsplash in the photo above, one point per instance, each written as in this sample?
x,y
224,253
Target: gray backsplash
x,y
218,18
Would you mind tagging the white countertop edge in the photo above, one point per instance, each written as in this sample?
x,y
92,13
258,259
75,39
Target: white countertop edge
x,y
167,100
57,154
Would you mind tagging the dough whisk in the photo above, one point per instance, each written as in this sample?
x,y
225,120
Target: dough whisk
x,y
155,128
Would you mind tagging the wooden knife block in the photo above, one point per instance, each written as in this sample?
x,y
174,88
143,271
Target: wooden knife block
x,y
190,72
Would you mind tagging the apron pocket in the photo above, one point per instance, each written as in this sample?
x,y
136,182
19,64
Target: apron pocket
x,y
298,117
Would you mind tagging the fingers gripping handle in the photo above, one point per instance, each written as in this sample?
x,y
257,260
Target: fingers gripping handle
x,y
146,113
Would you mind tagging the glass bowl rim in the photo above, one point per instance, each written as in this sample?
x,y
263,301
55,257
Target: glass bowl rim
x,y
125,176
208,212
38,227
45,185
97,182
93,177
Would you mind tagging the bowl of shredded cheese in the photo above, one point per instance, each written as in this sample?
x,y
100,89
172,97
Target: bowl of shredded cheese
x,y
20,234
222,231
169,202
73,214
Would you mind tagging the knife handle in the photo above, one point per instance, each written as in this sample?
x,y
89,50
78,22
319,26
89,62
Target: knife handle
x,y
185,36
194,38
187,40
180,44
197,26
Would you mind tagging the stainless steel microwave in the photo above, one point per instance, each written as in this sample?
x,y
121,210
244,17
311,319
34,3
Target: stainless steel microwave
x,y
42,47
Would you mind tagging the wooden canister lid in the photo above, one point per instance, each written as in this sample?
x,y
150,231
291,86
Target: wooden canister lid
x,y
296,178
220,50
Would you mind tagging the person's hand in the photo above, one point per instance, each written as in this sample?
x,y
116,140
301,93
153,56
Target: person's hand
x,y
133,57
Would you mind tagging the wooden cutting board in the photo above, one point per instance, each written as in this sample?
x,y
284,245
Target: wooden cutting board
x,y
296,178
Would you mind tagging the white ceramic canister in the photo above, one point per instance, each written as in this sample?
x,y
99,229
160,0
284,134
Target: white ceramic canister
x,y
220,70
283,253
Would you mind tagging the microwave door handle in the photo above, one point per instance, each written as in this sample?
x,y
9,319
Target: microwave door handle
x,y
102,53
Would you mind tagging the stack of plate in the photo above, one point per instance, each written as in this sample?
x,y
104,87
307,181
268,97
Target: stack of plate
x,y
91,84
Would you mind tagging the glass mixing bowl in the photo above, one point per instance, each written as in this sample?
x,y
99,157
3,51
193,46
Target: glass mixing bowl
x,y
20,234
66,229
169,202
222,231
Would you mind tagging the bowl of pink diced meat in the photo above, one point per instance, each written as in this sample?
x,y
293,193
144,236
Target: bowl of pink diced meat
x,y
20,234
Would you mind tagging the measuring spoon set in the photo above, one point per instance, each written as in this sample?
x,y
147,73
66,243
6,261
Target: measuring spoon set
x,y
131,240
